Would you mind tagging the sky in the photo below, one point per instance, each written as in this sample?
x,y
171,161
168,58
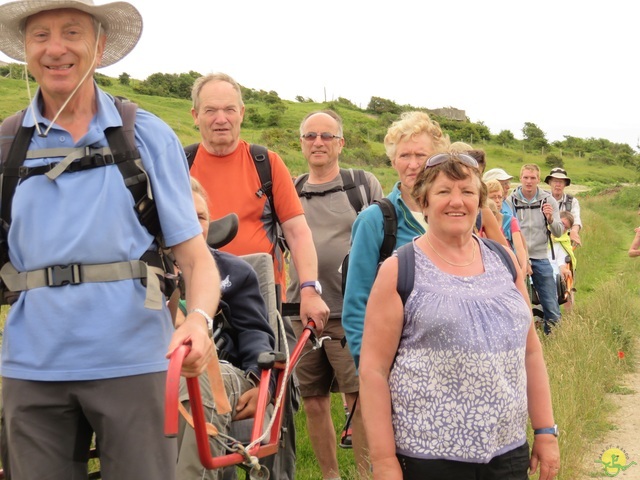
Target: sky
x,y
567,66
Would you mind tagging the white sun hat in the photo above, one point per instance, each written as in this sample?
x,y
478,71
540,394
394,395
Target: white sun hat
x,y
121,21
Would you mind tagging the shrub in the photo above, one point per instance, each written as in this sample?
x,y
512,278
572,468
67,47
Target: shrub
x,y
553,161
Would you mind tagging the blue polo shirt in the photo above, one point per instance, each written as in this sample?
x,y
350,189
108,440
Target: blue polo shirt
x,y
92,330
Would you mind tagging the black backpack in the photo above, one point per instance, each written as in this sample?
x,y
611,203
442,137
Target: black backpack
x,y
354,184
14,146
390,229
567,204
407,266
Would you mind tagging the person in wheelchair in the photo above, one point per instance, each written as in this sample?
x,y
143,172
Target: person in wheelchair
x,y
241,332
563,261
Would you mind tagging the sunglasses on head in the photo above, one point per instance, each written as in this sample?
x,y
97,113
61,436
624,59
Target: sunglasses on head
x,y
443,157
325,136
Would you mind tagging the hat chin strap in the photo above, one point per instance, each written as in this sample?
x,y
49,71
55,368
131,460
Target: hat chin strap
x,y
66,102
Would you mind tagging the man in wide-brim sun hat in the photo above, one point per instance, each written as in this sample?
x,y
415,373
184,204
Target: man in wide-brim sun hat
x,y
558,180
120,21
86,340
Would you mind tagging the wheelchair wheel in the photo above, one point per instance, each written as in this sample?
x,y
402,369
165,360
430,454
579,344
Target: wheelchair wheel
x,y
259,473
561,287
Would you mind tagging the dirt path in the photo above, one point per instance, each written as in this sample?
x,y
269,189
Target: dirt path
x,y
624,439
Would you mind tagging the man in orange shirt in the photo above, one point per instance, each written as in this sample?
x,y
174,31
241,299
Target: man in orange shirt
x,y
224,166
227,172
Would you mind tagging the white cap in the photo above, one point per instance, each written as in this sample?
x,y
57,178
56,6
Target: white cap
x,y
496,174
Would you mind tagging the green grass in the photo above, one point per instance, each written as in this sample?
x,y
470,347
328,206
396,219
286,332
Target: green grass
x,y
582,356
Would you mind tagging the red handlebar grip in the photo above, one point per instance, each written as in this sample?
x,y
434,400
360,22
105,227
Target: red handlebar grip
x,y
172,390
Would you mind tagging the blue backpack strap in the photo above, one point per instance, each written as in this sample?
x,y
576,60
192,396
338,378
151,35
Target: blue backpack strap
x,y
406,271
479,221
503,254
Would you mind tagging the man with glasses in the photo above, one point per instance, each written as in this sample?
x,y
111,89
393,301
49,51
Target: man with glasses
x,y
330,215
224,166
558,181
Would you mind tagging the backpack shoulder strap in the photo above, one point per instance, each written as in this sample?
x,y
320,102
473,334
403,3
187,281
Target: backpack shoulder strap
x,y
390,227
260,156
8,131
354,183
15,140
406,271
299,183
349,187
479,220
519,205
122,144
503,254
363,184
568,203
190,151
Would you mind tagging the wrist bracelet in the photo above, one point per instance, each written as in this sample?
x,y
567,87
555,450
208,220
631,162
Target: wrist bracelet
x,y
205,315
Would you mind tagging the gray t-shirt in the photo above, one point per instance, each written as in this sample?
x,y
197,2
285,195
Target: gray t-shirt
x,y
330,218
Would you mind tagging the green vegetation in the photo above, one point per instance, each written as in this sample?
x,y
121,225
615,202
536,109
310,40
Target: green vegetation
x,y
275,122
582,355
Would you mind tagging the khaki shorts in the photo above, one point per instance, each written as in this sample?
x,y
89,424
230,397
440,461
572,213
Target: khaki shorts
x,y
329,369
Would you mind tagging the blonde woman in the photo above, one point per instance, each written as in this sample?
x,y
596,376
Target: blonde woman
x,y
409,142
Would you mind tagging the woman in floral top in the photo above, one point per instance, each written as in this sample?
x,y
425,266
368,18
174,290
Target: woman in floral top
x,y
449,379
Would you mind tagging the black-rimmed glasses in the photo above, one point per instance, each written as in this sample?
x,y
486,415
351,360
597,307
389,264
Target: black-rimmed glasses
x,y
443,157
325,136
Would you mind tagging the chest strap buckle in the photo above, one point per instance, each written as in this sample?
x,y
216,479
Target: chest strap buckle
x,y
60,275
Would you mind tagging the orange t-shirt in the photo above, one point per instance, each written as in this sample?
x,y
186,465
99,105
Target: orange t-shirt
x,y
231,183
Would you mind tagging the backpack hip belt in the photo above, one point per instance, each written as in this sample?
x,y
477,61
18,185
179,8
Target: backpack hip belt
x,y
60,275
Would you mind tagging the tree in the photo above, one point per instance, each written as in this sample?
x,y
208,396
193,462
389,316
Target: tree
x,y
102,80
168,84
553,161
534,137
124,78
505,137
382,105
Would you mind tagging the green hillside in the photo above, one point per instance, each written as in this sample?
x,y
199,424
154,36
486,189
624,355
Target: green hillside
x,y
275,122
